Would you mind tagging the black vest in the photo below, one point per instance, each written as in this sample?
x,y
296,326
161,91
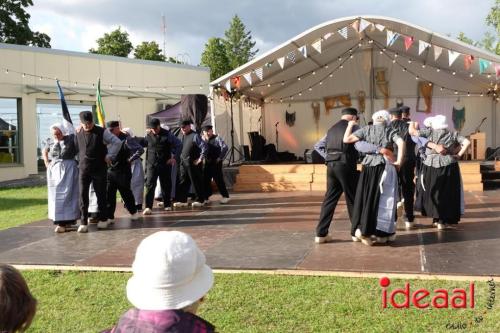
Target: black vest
x,y
336,149
214,149
190,151
159,148
92,149
401,126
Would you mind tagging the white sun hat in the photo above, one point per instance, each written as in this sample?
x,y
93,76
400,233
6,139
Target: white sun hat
x,y
428,122
439,122
169,272
129,131
381,116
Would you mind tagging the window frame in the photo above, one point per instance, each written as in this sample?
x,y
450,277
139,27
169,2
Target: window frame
x,y
20,141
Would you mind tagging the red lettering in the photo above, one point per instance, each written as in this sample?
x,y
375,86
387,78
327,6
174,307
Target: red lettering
x,y
471,285
406,293
459,294
416,298
443,296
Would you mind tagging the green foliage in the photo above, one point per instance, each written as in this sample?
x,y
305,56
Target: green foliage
x,y
238,43
461,37
490,42
115,43
22,205
493,18
214,56
14,25
149,51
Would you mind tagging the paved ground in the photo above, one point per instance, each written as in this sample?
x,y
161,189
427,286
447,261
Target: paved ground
x,y
275,231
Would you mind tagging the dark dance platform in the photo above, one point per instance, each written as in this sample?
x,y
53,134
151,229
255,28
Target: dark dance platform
x,y
274,231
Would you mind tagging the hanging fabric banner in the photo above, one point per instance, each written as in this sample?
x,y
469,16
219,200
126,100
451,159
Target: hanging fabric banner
x,y
408,42
248,77
363,24
483,65
260,73
355,25
422,46
228,85
468,60
291,56
343,32
437,52
380,27
391,37
497,70
303,51
317,45
281,62
327,35
452,56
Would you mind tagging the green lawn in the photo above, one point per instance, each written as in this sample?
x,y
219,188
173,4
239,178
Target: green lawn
x,y
92,301
22,205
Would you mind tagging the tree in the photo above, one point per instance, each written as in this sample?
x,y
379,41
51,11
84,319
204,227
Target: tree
x,y
149,51
214,56
493,18
14,28
238,43
115,43
463,38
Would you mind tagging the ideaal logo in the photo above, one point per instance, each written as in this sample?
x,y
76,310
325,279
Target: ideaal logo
x,y
458,298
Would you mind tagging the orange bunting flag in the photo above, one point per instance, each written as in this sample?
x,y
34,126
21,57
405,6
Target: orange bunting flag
x,y
468,60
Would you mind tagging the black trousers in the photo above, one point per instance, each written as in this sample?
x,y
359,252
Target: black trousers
x,y
98,178
164,172
406,176
119,181
213,170
190,174
340,178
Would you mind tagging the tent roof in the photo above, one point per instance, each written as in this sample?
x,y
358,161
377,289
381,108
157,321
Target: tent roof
x,y
335,50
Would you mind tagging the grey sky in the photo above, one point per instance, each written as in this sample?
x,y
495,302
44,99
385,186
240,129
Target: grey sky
x,y
76,24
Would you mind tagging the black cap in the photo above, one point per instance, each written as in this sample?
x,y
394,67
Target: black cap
x,y
207,127
112,124
350,111
154,123
405,109
185,122
86,116
395,111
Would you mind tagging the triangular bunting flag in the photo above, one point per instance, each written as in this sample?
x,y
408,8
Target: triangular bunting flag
x,y
281,62
228,85
452,56
303,51
327,35
437,52
259,72
363,24
317,45
291,56
343,32
380,27
248,77
483,65
497,70
408,42
391,37
355,25
422,46
236,81
468,60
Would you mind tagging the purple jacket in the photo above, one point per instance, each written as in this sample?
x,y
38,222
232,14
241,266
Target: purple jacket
x,y
164,321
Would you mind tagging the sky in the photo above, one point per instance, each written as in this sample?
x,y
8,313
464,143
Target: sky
x,y
75,25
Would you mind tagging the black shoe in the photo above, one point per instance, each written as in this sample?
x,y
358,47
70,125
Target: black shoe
x,y
138,207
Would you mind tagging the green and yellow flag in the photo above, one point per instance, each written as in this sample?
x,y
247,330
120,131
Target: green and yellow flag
x,y
99,114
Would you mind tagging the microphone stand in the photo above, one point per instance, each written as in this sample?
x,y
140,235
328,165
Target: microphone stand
x,y
233,148
276,125
479,126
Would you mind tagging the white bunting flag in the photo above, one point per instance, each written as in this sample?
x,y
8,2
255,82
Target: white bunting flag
x,y
303,51
343,32
317,45
422,46
291,56
281,62
391,37
248,77
363,24
228,85
437,52
452,56
327,35
259,72
380,27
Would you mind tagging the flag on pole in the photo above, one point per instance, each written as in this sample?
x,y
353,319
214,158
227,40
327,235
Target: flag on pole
x,y
66,123
99,114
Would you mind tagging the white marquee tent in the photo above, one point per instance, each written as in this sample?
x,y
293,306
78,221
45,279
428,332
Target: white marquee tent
x,y
371,62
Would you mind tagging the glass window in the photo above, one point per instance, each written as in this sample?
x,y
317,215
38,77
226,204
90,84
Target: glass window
x,y
9,131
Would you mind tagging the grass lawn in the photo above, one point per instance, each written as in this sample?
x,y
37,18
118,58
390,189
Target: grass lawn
x,y
92,301
22,205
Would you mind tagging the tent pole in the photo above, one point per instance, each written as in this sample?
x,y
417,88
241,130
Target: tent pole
x,y
493,123
372,86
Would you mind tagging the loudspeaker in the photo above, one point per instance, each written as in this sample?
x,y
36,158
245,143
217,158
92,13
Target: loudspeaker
x,y
312,156
246,152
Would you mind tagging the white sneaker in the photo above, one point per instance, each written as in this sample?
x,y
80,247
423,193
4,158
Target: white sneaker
x,y
358,234
441,226
60,229
82,229
409,225
224,200
146,211
321,240
355,239
180,204
196,204
134,216
102,225
160,204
